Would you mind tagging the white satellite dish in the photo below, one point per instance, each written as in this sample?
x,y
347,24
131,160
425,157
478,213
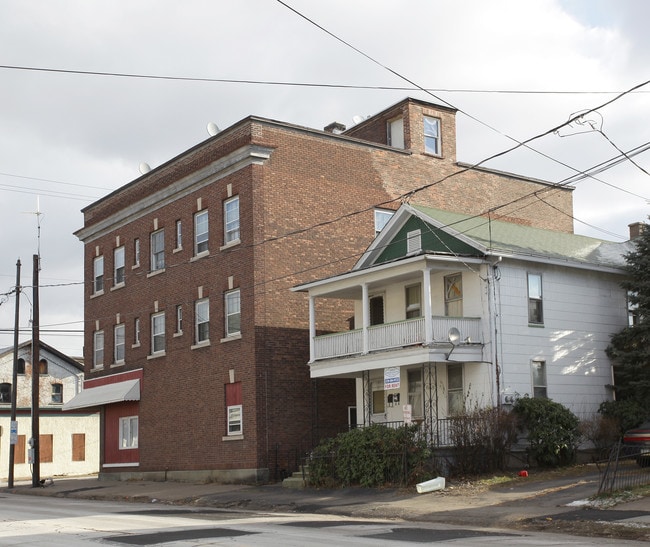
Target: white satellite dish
x,y
357,119
213,129
144,168
454,335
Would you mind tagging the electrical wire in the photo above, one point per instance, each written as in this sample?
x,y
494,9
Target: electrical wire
x,y
306,84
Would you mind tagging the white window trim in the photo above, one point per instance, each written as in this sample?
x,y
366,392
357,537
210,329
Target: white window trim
x,y
98,260
155,316
116,252
197,324
125,431
227,315
240,431
382,216
96,334
123,328
438,151
155,266
226,232
533,385
206,251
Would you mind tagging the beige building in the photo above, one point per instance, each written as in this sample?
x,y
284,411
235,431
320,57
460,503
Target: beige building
x,y
69,442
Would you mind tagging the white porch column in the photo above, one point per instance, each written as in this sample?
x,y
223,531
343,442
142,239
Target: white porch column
x,y
426,295
366,315
312,328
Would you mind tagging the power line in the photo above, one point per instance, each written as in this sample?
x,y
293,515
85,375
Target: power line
x,y
519,144
305,84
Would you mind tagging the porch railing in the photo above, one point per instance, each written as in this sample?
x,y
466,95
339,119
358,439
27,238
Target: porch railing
x,y
438,435
394,335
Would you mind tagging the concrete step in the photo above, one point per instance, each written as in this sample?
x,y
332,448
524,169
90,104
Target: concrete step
x,y
296,479
294,482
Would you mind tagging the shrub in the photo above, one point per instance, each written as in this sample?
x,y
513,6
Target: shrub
x,y
482,439
628,413
552,430
602,431
370,456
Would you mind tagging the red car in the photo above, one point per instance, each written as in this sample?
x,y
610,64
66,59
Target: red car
x,y
640,437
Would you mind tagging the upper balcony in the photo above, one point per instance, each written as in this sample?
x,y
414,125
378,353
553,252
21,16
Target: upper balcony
x,y
420,310
447,333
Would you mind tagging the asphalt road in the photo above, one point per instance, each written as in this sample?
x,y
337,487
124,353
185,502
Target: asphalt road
x,y
67,522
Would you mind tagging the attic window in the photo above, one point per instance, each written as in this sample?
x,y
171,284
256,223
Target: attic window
x,y
413,241
395,133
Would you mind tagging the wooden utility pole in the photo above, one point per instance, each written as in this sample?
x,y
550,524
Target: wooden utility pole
x,y
36,352
14,381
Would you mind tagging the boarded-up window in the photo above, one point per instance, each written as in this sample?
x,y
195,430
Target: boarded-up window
x,y
45,448
78,447
19,450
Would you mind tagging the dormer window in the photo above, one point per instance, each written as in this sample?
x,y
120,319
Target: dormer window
x,y
432,135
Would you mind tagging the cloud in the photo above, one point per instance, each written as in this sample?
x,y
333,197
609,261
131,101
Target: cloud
x,y
92,132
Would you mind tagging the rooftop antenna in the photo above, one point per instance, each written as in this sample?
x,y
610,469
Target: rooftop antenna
x,y
357,119
38,228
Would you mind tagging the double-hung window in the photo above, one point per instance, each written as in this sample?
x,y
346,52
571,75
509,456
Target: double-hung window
x,y
57,394
413,301
454,295
535,309
98,274
128,432
233,313
432,135
136,331
158,250
158,332
98,349
200,232
118,266
202,320
231,220
538,371
119,344
455,395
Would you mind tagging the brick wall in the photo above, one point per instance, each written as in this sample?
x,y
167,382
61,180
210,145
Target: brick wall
x,y
306,213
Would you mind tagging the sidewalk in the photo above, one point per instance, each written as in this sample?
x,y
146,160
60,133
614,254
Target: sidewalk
x,y
528,503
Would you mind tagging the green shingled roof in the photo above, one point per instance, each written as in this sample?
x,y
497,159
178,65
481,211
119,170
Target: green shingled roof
x,y
509,238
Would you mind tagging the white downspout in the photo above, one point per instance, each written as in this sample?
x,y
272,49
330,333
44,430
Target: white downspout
x,y
426,294
365,315
312,328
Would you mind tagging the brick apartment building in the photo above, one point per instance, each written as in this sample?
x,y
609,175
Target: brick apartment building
x,y
195,346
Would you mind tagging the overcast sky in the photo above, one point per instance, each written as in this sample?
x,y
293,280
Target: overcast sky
x,y
514,70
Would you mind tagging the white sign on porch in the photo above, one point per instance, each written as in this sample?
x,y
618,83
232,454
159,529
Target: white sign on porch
x,y
406,409
391,378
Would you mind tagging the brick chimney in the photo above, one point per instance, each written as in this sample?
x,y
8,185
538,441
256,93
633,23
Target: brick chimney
x,y
636,229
